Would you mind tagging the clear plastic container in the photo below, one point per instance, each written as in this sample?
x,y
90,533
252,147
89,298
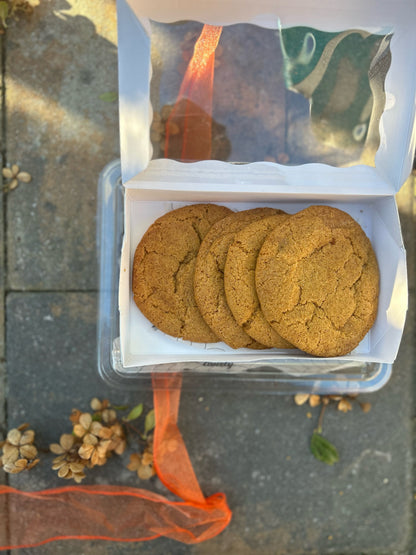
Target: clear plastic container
x,y
281,376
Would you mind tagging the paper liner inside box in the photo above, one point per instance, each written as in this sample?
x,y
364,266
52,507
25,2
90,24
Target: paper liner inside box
x,y
142,344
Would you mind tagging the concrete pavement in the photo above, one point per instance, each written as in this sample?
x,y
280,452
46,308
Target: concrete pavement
x,y
254,448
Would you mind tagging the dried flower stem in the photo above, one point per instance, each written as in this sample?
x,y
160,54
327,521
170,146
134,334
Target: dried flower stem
x,y
321,418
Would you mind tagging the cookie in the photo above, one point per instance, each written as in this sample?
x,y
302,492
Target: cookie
x,y
163,271
209,282
240,283
317,280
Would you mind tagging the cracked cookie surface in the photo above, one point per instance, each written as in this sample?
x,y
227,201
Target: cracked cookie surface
x,y
209,278
240,284
163,271
317,279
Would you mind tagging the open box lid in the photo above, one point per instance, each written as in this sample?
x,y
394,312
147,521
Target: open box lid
x,y
394,157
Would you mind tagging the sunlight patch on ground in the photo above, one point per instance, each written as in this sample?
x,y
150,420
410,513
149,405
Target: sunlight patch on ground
x,y
105,25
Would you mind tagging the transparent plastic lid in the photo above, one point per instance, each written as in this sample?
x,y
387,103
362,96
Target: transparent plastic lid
x,y
289,376
294,96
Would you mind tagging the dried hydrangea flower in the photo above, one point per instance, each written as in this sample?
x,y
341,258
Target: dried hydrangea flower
x,y
68,463
116,437
14,175
87,427
103,410
95,454
143,464
19,452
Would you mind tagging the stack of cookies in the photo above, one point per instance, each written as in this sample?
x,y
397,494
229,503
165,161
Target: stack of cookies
x,y
259,278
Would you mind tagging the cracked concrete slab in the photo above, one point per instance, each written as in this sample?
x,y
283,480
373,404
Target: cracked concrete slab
x,y
253,447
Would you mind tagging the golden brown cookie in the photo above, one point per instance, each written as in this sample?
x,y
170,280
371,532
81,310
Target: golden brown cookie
x,y
209,280
240,283
317,280
163,271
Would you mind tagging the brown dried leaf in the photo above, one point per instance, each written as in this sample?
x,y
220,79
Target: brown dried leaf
x,y
95,404
66,441
109,416
27,437
117,430
32,464
64,471
14,436
135,462
75,414
15,170
301,398
95,428
21,463
13,184
121,447
79,430
85,420
28,452
12,469
147,458
78,477
105,433
157,127
24,177
283,158
365,407
97,459
76,467
90,439
344,405
103,446
7,173
174,128
58,465
10,454
86,451
314,400
145,472
165,111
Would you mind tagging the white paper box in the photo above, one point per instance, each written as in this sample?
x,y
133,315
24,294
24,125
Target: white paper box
x,y
367,193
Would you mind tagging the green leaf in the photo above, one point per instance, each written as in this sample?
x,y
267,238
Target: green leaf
x,y
149,422
110,96
135,412
119,407
4,13
323,450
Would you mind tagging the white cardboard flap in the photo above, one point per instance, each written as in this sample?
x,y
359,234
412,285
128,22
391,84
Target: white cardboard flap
x,y
397,134
325,14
